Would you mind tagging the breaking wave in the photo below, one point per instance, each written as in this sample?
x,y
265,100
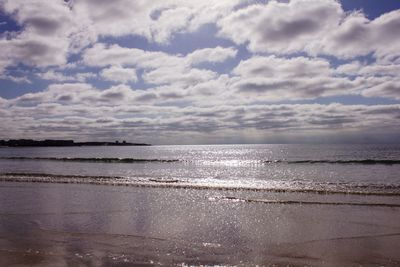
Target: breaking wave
x,y
288,186
141,160
302,202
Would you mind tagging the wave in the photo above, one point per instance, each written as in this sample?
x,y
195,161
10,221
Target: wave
x,y
141,160
94,160
301,202
295,187
362,161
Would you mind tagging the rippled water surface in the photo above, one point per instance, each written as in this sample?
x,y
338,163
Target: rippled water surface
x,y
347,168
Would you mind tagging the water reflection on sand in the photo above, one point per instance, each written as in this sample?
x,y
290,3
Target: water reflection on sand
x,y
86,225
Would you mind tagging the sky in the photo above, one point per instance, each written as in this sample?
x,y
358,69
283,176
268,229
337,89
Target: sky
x,y
201,72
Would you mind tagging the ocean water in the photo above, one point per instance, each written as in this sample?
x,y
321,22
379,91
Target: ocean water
x,y
353,169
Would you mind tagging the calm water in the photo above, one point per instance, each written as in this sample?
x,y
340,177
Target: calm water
x,y
350,168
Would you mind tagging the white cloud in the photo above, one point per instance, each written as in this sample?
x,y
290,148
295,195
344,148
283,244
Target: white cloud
x,y
351,68
105,55
216,54
357,36
119,74
281,27
376,80
160,68
178,75
372,69
155,20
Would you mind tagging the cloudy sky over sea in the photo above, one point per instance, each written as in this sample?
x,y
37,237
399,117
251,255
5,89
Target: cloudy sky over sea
x,y
216,71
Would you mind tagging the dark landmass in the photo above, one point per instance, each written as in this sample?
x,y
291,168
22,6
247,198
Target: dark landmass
x,y
47,143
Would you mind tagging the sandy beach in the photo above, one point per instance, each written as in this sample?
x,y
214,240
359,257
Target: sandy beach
x,y
94,225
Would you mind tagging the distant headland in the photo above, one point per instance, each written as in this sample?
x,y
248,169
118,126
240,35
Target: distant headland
x,y
49,142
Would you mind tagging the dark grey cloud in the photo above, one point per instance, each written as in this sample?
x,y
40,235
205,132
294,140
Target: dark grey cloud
x,y
285,30
113,96
277,78
146,97
44,25
355,33
34,50
65,98
265,85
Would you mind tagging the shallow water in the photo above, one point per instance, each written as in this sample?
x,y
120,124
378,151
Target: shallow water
x,y
86,225
330,168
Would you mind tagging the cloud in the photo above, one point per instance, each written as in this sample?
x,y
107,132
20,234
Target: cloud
x,y
213,55
58,76
119,74
376,80
357,36
33,50
265,78
273,66
102,55
64,92
155,20
314,27
389,89
16,79
373,69
77,94
160,68
49,33
178,75
281,27
116,94
274,78
52,31
112,112
40,17
79,99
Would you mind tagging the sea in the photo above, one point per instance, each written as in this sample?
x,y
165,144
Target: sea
x,y
350,169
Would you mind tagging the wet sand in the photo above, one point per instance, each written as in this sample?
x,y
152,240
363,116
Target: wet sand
x,y
95,225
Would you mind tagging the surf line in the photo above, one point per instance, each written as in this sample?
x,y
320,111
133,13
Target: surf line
x,y
299,202
166,183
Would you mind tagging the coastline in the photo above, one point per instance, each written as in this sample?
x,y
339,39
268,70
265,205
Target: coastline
x,y
80,224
